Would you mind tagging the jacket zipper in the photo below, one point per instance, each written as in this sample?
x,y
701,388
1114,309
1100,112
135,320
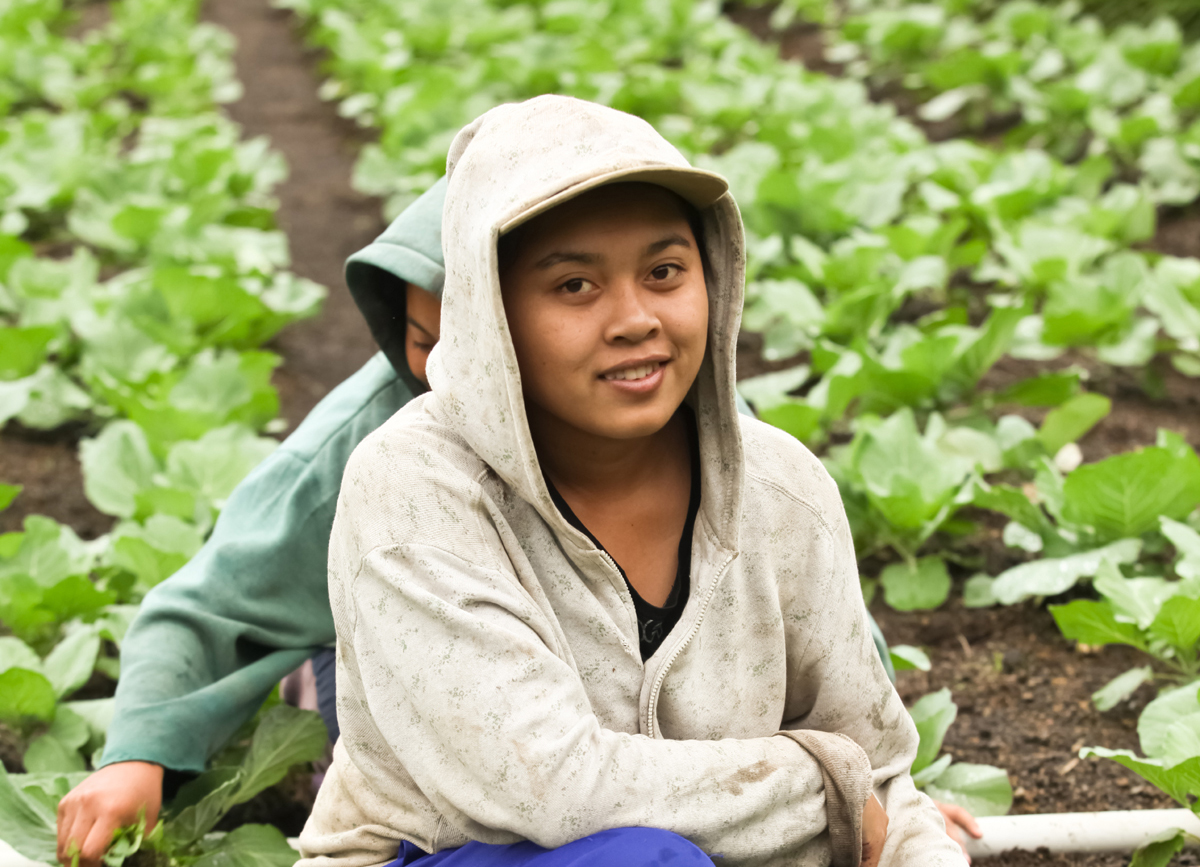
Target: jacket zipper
x,y
617,569
652,704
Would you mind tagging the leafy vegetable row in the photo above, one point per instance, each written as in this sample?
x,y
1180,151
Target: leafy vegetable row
x,y
138,259
1056,77
140,272
1130,97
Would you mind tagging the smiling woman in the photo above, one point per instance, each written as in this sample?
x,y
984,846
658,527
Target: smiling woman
x,y
608,310
595,619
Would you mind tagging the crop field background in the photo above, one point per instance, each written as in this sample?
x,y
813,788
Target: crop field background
x,y
974,290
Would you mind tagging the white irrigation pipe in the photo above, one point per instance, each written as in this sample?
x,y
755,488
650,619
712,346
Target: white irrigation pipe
x,y
1113,831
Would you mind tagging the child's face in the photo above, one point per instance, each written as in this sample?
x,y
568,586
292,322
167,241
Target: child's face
x,y
608,310
424,325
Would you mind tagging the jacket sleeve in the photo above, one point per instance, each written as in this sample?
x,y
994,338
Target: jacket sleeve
x,y
211,642
451,663
839,685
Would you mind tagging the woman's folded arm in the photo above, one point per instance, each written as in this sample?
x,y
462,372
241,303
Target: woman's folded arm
x,y
497,731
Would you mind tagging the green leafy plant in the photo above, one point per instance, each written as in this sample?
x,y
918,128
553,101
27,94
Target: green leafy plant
x,y
901,486
1130,93
285,737
140,270
1169,732
1159,616
1096,513
984,790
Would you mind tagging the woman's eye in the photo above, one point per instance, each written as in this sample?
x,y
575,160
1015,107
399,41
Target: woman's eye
x,y
665,272
576,286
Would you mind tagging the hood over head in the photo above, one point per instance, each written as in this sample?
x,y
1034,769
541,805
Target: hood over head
x,y
408,251
517,161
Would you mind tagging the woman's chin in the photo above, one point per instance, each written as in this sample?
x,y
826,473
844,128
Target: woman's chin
x,y
631,423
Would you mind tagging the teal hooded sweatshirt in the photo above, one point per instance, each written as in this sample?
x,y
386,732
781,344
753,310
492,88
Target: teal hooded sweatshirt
x,y
211,642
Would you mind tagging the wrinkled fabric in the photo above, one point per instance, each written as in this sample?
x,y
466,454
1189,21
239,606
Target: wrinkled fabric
x,y
490,684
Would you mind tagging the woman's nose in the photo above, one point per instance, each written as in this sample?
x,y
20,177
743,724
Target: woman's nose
x,y
632,317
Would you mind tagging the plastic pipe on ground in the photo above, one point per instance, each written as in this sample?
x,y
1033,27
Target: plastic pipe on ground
x,y
1113,831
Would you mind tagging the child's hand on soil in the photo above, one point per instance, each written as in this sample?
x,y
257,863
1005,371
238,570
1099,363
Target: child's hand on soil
x,y
959,823
874,832
109,799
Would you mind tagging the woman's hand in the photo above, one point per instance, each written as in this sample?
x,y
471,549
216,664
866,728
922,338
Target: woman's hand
x,y
874,831
109,799
959,823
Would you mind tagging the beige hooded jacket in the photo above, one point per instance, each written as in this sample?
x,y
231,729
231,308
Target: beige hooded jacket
x,y
490,685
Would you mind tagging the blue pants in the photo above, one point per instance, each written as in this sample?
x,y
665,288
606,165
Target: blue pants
x,y
324,663
618,847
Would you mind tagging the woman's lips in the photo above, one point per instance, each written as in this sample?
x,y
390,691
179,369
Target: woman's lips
x,y
632,374
639,379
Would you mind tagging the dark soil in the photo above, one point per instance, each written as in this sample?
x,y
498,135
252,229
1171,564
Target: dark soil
x,y
1178,231
803,41
46,465
1023,695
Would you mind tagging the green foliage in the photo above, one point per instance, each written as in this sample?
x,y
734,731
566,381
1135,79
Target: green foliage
x,y
1124,496
982,789
1108,511
27,819
286,736
1156,615
114,153
900,485
917,586
1074,418
140,272
1129,95
1160,852
907,658
1170,741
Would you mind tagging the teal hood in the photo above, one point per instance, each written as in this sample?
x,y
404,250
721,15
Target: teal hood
x,y
409,251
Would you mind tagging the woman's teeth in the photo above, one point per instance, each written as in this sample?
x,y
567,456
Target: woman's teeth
x,y
631,373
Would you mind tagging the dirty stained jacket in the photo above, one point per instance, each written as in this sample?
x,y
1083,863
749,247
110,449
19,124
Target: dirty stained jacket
x,y
490,685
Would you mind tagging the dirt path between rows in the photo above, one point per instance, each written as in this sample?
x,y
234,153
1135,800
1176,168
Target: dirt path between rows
x,y
324,218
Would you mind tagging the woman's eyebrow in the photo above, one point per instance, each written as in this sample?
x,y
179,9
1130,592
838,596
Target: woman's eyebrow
x,y
415,324
558,258
669,241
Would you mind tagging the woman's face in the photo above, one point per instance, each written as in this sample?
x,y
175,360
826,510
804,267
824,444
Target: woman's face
x,y
608,311
422,329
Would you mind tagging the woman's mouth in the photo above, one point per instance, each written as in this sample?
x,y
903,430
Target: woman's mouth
x,y
633,374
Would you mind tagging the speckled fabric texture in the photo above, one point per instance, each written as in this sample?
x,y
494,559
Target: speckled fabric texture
x,y
490,685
